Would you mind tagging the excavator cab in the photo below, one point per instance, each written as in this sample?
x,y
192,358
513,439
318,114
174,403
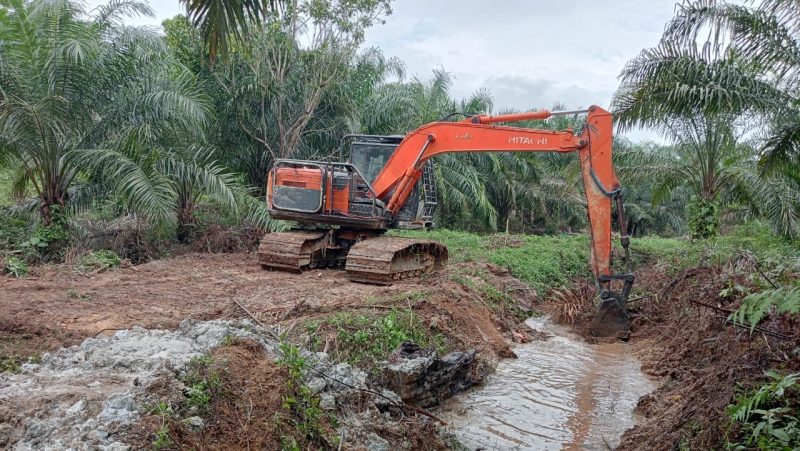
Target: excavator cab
x,y
369,153
342,193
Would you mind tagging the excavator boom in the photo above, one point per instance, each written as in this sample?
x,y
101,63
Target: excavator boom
x,y
337,193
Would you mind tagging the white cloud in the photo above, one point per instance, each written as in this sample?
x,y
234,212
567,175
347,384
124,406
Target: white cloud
x,y
527,53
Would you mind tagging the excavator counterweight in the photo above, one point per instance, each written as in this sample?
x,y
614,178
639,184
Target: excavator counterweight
x,y
388,183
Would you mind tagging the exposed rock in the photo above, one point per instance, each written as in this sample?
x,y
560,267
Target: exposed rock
x,y
94,389
327,401
194,422
316,384
388,399
420,377
376,443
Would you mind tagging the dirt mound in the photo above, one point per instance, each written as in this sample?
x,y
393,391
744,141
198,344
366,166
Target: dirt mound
x,y
699,358
82,396
241,414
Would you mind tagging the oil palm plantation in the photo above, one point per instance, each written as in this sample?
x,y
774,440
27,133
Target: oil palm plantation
x,y
718,64
709,160
91,109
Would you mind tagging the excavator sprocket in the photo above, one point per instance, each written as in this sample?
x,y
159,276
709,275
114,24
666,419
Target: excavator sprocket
x,y
294,251
384,260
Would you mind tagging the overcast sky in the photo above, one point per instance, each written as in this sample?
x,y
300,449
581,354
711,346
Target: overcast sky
x,y
528,53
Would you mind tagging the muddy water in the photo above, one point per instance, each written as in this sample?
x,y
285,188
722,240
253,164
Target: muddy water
x,y
561,393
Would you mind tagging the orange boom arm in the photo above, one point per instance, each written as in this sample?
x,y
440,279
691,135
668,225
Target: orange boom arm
x,y
477,134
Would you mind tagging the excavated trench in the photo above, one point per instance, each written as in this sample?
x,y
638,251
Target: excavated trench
x,y
560,393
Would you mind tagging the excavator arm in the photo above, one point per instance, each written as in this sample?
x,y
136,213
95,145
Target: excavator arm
x,y
479,134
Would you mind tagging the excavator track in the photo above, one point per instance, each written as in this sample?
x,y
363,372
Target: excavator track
x,y
292,251
385,260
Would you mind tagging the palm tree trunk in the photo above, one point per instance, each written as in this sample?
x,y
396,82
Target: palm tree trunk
x,y
186,224
52,205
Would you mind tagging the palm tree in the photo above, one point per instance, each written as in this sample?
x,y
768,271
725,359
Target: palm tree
x,y
720,57
60,75
708,159
223,21
91,109
668,216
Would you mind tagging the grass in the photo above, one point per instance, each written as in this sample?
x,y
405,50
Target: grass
x,y
201,379
366,339
552,261
477,279
98,261
9,364
544,262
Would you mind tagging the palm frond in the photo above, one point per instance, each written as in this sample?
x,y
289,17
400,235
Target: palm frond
x,y
150,194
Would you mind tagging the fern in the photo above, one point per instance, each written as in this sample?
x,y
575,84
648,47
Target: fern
x,y
767,418
775,389
757,306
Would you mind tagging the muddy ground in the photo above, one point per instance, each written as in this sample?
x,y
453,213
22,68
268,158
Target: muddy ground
x,y
696,357
700,359
58,307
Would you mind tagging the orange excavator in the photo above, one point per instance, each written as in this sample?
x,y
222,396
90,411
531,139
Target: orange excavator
x,y
388,183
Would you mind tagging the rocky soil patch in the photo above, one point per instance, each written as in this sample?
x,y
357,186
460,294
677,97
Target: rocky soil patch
x,y
81,397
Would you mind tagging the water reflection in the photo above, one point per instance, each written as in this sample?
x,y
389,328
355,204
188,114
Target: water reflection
x,y
561,393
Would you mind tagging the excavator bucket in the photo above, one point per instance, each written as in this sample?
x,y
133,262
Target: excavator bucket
x,y
611,320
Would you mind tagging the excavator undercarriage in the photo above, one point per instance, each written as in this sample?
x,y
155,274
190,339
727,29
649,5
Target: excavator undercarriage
x,y
367,257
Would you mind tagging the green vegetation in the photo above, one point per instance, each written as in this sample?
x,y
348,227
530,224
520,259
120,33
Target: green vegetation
x,y
162,440
104,122
366,339
16,267
9,364
306,422
543,261
722,70
204,384
779,301
98,261
547,262
6,188
767,416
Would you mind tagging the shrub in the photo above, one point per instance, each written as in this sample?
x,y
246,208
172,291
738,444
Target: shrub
x,y
98,261
703,218
46,243
16,267
364,340
306,421
767,419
